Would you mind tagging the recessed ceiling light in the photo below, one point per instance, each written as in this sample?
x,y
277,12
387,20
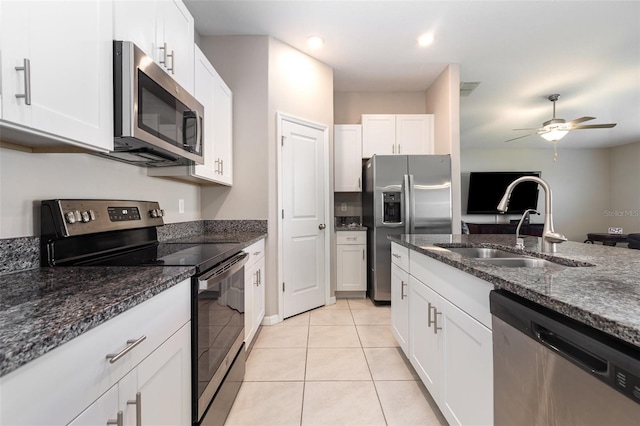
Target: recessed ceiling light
x,y
315,42
425,40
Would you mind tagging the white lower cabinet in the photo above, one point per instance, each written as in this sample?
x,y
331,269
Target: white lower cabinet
x,y
400,306
351,253
77,384
254,290
449,340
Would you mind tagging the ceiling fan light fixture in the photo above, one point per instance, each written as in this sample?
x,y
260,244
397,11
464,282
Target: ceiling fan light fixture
x,y
554,134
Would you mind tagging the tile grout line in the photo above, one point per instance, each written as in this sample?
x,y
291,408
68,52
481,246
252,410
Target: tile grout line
x,y
306,360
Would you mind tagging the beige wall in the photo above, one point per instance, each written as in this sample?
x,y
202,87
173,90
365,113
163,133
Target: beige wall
x,y
579,181
349,106
623,209
27,178
266,77
242,63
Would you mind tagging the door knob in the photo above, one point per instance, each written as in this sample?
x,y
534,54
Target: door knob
x,y
321,226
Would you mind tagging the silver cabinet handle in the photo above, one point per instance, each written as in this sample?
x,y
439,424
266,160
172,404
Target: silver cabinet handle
x,y
359,184
393,149
172,55
256,253
398,148
429,321
363,258
322,226
26,67
130,345
259,276
402,287
435,320
163,61
138,403
397,256
255,282
119,421
221,166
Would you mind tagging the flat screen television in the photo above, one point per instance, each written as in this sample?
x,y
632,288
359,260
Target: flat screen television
x,y
487,188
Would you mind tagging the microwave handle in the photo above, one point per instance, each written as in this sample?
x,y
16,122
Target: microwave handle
x,y
197,144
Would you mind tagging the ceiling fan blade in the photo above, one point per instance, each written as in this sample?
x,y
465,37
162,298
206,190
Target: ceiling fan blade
x,y
580,120
595,126
520,137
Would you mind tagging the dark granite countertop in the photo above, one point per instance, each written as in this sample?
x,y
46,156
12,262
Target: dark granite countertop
x,y
43,308
605,296
351,227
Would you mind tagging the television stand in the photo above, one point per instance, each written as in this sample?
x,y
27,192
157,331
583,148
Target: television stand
x,y
534,229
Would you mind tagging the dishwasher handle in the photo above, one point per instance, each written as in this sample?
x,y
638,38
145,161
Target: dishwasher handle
x,y
569,350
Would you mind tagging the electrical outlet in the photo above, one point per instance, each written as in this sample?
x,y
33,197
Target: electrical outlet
x,y
343,207
180,205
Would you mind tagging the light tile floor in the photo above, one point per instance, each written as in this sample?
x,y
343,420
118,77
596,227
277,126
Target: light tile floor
x,y
335,365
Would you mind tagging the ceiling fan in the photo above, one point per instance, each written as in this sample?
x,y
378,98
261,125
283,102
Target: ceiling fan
x,y
555,129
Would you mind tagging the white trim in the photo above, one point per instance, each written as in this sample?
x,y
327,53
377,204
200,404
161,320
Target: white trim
x,y
271,319
280,116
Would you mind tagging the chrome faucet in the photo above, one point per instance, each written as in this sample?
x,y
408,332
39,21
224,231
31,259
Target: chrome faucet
x,y
549,237
520,241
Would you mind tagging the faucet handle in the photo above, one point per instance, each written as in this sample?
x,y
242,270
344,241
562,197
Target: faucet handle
x,y
520,243
554,237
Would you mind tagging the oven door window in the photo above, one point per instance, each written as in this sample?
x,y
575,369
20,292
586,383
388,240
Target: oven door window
x,y
163,116
220,322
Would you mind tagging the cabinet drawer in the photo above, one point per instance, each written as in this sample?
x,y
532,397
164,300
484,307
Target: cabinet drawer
x,y
68,379
351,237
400,256
255,251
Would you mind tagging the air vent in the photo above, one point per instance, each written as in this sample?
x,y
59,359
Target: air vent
x,y
466,87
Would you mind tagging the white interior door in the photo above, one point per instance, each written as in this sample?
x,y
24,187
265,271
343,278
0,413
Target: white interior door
x,y
303,198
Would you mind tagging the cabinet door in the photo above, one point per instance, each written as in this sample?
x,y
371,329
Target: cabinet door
x,y
163,381
466,356
101,411
223,129
136,21
348,158
352,267
400,306
69,49
414,134
424,343
378,134
250,283
258,294
176,28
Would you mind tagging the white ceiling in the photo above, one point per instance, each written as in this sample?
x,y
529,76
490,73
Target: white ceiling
x,y
520,51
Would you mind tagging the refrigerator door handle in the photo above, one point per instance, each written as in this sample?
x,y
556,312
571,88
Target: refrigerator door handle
x,y
406,189
412,206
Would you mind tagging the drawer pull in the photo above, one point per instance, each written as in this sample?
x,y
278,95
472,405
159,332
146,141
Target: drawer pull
x,y
402,294
138,403
130,345
256,253
397,256
119,420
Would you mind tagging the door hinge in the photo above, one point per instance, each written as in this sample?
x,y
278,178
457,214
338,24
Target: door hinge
x,y
283,286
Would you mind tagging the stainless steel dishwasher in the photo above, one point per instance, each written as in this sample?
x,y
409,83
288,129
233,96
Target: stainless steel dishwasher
x,y
551,370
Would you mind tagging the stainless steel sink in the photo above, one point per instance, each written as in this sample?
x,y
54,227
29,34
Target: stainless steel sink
x,y
521,262
483,252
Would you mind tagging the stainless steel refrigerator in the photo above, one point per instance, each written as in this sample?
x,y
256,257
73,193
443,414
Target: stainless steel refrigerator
x,y
402,194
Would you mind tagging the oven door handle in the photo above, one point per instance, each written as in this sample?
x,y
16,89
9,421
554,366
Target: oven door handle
x,y
209,279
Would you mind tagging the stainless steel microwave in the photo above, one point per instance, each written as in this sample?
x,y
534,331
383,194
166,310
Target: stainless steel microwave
x,y
156,121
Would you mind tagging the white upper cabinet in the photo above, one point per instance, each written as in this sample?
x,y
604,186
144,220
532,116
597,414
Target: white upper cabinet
x,y
347,158
388,134
57,78
164,30
217,99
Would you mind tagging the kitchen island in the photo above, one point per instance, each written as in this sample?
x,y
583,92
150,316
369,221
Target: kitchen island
x,y
441,315
605,295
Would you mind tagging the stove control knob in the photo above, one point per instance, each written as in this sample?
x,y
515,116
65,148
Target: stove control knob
x,y
161,212
85,217
92,215
78,216
70,217
154,213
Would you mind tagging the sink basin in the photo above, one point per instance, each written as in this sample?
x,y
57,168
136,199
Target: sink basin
x,y
520,262
483,252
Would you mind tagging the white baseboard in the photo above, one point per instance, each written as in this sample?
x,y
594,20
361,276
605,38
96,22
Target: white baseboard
x,y
332,300
270,320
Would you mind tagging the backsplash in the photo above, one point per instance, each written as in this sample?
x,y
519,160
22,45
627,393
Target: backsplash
x,y
18,254
23,253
